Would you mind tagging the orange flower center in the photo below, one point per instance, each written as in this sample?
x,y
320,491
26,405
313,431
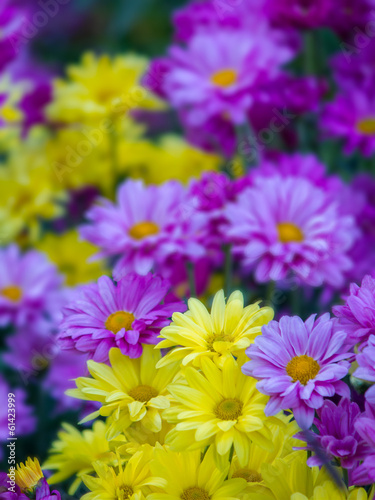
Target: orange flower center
x,y
224,77
289,232
250,475
143,393
302,368
143,229
12,292
367,126
118,320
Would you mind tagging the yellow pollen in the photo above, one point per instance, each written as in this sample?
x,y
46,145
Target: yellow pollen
x,y
217,338
289,232
251,476
224,77
302,368
143,393
367,126
195,493
29,474
126,492
118,320
12,292
143,229
229,409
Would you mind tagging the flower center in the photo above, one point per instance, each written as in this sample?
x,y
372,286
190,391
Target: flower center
x,y
224,77
127,491
143,393
289,232
229,409
118,320
143,229
366,126
302,368
12,292
217,338
251,476
195,493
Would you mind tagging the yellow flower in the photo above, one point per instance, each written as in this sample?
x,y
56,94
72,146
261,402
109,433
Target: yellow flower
x,y
218,406
72,257
102,87
187,478
29,474
129,482
130,390
74,453
9,111
229,328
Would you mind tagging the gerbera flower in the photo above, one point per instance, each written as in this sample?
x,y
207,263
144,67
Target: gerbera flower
x,y
366,367
228,329
124,315
186,477
357,316
29,285
130,390
298,364
287,225
146,226
218,406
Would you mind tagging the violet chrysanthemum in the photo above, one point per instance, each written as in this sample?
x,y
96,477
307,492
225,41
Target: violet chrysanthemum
x,y
364,474
286,225
366,368
124,315
10,494
29,285
12,21
299,364
148,225
357,316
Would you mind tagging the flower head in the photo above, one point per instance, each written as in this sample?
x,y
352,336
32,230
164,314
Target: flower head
x,y
28,474
298,364
366,367
228,329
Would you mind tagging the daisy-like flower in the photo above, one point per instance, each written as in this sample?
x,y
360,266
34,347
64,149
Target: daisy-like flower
x,y
298,364
227,330
357,316
129,482
288,225
30,479
130,390
29,285
145,227
74,453
124,315
218,406
366,367
187,477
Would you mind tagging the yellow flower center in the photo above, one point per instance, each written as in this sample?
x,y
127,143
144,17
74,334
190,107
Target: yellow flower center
x,y
217,338
143,229
12,292
302,368
366,126
118,320
229,409
251,476
224,77
126,492
289,232
195,493
143,393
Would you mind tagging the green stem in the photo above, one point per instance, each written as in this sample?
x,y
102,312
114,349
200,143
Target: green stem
x,y
191,278
310,53
247,146
228,267
270,292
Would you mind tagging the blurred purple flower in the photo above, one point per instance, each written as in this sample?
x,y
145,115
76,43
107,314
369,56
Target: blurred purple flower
x,y
366,367
301,14
5,493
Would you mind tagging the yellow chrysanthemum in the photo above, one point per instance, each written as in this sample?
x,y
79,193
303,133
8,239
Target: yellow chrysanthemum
x,y
74,453
72,257
28,474
129,482
102,87
189,478
229,328
12,94
218,406
130,390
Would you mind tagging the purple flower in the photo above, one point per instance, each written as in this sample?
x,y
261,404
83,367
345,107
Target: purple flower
x,y
364,474
302,14
366,367
124,315
357,315
286,225
11,23
299,364
5,493
42,491
350,17
29,286
146,227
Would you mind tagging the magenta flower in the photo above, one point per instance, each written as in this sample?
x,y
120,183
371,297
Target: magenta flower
x,y
350,17
148,225
11,24
124,315
366,368
357,315
5,493
302,14
286,225
299,364
364,474
42,491
29,284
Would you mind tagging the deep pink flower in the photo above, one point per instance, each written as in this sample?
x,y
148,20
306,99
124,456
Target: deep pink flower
x,y
299,364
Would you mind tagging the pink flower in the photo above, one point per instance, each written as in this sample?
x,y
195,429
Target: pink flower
x,y
299,364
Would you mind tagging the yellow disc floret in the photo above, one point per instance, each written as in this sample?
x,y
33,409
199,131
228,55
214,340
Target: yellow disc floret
x,y
302,368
